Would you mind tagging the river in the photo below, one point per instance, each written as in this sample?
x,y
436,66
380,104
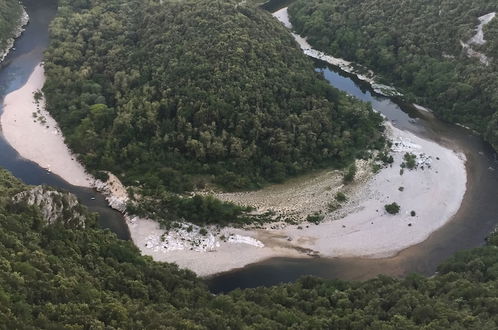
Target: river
x,y
14,72
476,218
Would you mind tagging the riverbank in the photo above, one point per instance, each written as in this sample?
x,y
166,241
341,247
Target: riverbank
x,y
30,129
366,75
360,228
23,21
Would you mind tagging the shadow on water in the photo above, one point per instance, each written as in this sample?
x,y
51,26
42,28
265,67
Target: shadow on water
x,y
14,72
476,218
274,5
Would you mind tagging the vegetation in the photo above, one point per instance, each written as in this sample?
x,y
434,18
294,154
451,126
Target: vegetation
x,y
10,13
316,217
415,45
172,96
410,161
66,276
350,174
392,208
341,197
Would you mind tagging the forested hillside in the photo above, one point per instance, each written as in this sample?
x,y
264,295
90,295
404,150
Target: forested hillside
x,y
10,13
415,45
171,95
72,275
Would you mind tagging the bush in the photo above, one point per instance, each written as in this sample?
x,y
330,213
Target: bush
x,y
349,176
376,168
341,197
315,218
409,162
392,208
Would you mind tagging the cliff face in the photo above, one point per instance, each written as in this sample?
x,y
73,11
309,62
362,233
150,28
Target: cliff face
x,y
55,206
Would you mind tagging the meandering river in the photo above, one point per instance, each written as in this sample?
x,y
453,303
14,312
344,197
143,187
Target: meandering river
x,y
476,218
14,72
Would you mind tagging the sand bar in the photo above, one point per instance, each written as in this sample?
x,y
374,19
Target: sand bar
x,y
361,228
39,138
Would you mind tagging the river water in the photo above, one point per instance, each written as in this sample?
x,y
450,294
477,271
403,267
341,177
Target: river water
x,y
14,72
476,218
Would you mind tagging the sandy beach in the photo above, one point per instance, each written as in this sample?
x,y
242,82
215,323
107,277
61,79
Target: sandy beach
x,y
39,138
361,228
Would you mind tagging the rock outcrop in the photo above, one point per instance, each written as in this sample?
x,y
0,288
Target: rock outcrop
x,y
55,206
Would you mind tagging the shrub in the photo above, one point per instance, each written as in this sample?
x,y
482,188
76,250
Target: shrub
x,y
409,162
341,197
349,176
392,208
315,218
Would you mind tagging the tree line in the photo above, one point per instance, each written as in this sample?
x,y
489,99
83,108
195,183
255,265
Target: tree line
x,y
415,45
63,275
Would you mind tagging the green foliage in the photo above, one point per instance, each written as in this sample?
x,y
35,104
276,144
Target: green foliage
x,y
409,161
350,174
341,197
392,208
173,95
10,14
202,210
315,218
385,157
59,276
414,45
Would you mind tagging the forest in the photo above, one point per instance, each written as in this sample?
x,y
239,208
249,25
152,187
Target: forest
x,y
10,13
75,276
175,96
416,46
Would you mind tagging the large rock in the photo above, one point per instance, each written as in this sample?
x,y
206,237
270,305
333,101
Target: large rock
x,y
55,206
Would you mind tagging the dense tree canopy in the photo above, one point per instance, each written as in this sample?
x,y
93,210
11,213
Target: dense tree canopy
x,y
415,45
65,276
171,95
10,13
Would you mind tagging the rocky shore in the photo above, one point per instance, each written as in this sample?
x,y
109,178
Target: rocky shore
x,y
23,21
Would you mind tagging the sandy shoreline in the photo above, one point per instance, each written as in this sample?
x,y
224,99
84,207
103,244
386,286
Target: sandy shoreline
x,y
39,139
365,230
